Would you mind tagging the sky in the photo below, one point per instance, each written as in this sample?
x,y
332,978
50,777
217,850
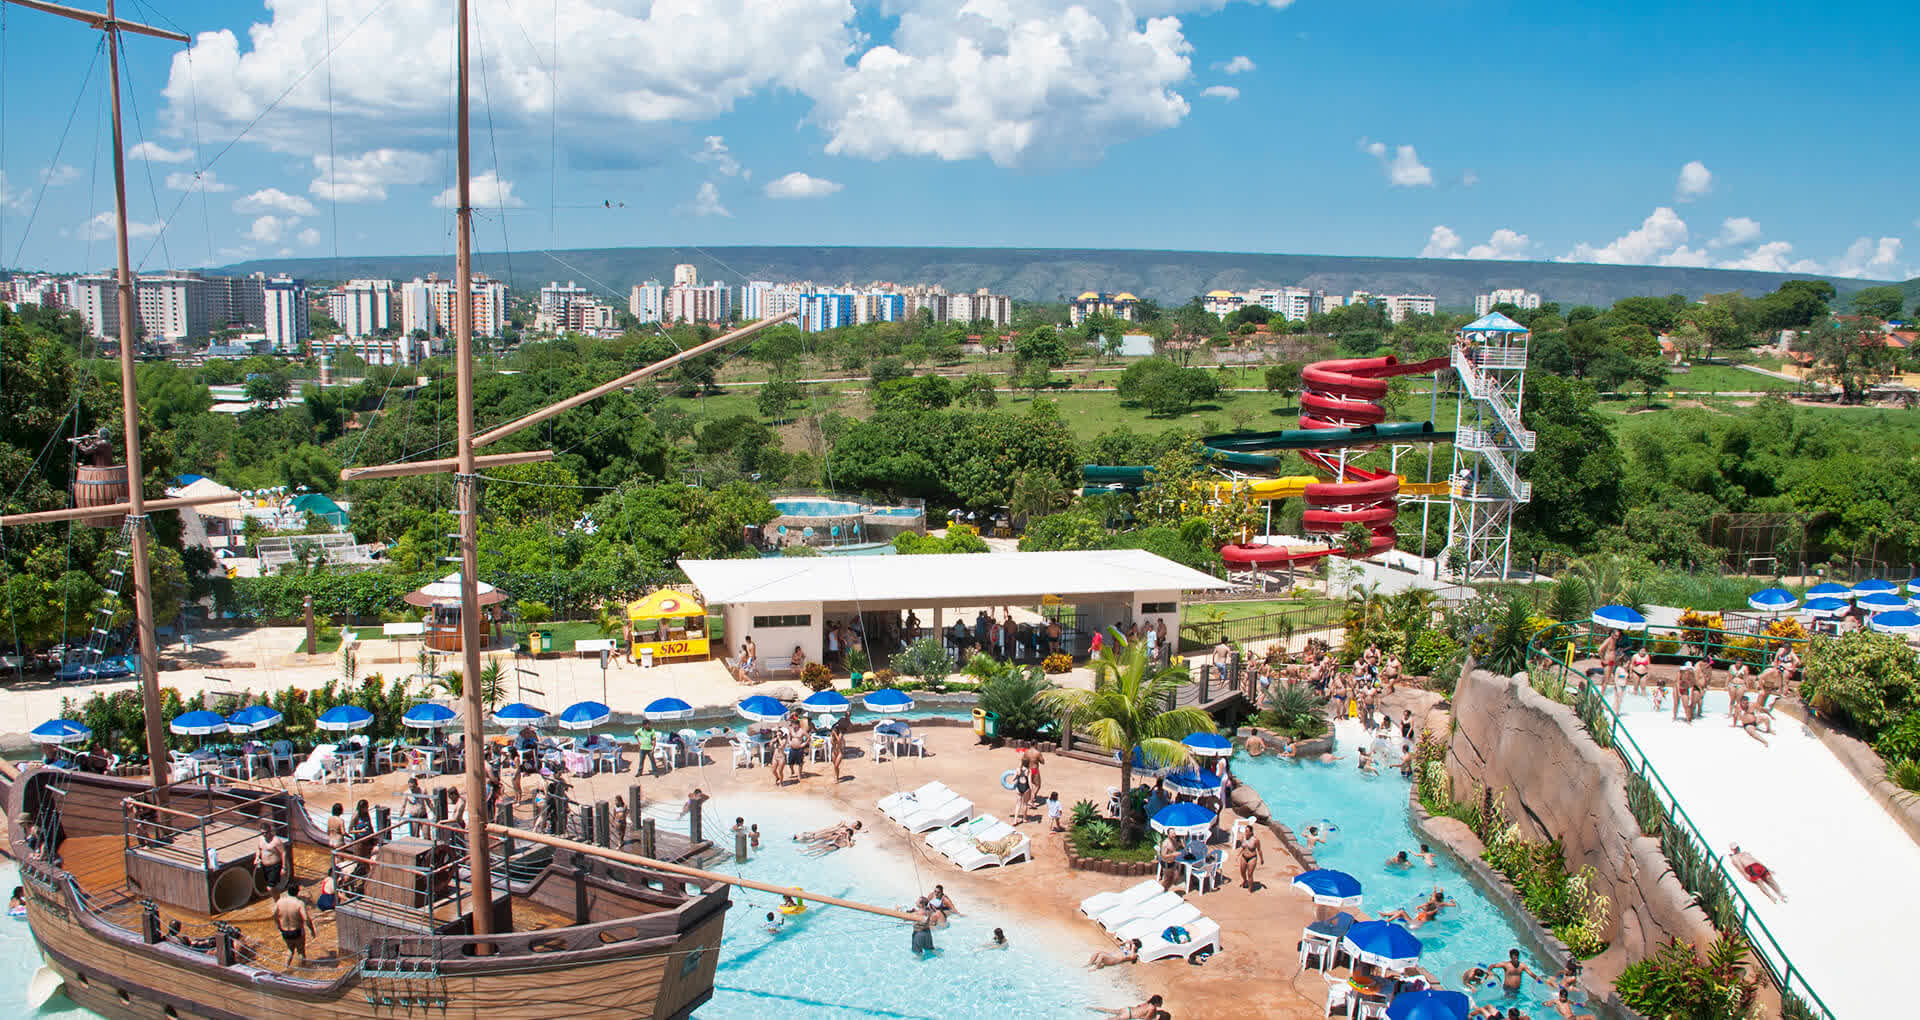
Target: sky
x,y
1738,134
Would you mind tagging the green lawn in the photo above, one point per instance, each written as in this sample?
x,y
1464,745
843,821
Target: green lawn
x,y
566,632
1723,378
329,639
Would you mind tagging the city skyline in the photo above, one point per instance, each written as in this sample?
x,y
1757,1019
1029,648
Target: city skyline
x,y
1617,136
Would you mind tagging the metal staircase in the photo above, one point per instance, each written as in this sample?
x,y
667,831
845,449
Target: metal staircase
x,y
1490,360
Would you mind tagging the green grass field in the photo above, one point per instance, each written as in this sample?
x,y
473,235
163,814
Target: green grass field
x,y
1724,378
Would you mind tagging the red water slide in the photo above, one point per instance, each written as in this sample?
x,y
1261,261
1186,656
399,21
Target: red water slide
x,y
1341,394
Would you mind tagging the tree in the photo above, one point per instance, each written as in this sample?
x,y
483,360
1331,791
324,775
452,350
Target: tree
x,y
1651,374
1038,493
1796,305
927,660
977,390
1846,355
268,389
778,396
1040,347
1127,709
887,370
1865,678
1576,468
1284,378
1881,303
1164,388
1703,328
1062,531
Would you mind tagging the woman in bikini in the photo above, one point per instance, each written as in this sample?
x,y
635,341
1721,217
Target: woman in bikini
x,y
1642,662
1251,856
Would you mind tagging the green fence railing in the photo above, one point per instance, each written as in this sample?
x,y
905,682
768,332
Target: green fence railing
x,y
1560,645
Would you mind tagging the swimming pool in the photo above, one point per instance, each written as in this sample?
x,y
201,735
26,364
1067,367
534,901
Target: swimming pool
x,y
1372,825
19,958
818,508
894,511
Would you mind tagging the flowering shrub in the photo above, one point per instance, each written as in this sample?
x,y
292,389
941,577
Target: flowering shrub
x,y
816,676
1566,904
1058,662
1786,627
1675,981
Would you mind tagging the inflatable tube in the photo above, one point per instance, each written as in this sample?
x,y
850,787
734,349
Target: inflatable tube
x,y
1007,777
1256,747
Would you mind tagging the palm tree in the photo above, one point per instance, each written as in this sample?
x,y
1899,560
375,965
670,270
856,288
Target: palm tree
x,y
1127,709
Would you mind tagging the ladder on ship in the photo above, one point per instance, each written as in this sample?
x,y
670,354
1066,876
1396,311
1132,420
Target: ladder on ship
x,y
100,619
391,979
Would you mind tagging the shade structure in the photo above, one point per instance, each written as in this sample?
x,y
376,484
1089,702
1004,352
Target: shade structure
x,y
583,715
665,604
1829,590
1428,1004
1383,944
1874,586
60,731
253,719
1142,765
1880,600
887,699
1618,617
1208,745
429,716
1772,600
1193,781
518,714
198,724
826,701
447,589
761,708
1333,927
344,718
1827,608
1899,621
1184,819
667,708
1329,888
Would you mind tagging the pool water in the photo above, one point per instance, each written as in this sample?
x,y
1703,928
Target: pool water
x,y
19,958
817,508
1370,816
894,511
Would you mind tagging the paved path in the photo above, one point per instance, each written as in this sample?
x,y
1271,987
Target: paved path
x,y
1835,851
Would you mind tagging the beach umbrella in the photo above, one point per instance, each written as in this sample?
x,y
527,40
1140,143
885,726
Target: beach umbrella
x,y
1330,888
1900,621
198,724
1874,586
1830,590
1618,617
1143,766
826,701
1913,585
1208,745
583,715
429,716
344,718
518,714
1826,608
1428,1004
1383,944
761,708
887,699
60,731
1190,780
668,708
253,719
1184,819
1333,927
1880,600
1772,600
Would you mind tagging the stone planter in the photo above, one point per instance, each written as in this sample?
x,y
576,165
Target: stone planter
x,y
1130,869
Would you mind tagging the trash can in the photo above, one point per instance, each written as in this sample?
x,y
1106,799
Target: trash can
x,y
985,724
646,658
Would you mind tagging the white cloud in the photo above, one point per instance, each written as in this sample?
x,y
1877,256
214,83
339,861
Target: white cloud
x,y
1403,167
1699,258
1772,257
59,174
716,155
270,229
486,191
706,201
1238,65
1444,243
799,185
274,200
1659,232
9,198
1469,179
1865,257
101,228
309,238
203,180
1736,230
1226,92
154,152
366,177
1695,180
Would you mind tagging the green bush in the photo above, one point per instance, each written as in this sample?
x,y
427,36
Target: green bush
x,y
1677,982
816,676
1901,741
1295,711
1084,812
1905,775
1866,679
1430,650
1012,693
1565,903
1100,834
926,659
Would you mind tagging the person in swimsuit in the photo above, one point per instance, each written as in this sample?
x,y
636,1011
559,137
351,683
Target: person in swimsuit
x,y
1737,675
1426,854
337,827
1769,685
1472,978
268,855
1252,855
1757,873
1512,972
295,924
1750,720
1101,961
1144,1011
1642,662
1564,1006
1314,838
1609,652
329,892
941,902
999,941
1399,860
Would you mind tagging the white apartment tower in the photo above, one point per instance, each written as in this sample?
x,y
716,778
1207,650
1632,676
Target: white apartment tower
x,y
1520,298
369,307
286,314
648,301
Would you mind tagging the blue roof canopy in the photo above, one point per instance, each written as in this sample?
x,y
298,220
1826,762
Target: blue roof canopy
x,y
1493,322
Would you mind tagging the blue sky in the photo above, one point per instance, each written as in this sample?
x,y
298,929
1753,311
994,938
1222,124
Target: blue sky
x,y
1736,134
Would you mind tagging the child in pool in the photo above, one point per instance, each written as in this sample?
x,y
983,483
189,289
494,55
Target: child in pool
x,y
17,904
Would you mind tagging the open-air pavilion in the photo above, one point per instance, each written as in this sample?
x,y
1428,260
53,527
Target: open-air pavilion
x,y
783,602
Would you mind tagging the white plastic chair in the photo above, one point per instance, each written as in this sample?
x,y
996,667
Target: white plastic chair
x,y
882,747
1315,953
1371,1009
742,754
1206,873
1338,993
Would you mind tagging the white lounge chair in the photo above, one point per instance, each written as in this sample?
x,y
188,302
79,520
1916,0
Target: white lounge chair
x,y
1146,927
1100,903
1201,934
941,840
938,816
1156,905
891,803
315,767
923,805
969,857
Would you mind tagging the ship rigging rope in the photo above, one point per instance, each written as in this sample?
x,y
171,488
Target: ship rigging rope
x,y
86,81
140,136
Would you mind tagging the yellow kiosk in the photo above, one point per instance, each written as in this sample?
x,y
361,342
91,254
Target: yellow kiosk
x,y
668,624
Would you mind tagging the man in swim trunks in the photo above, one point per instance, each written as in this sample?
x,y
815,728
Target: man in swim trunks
x,y
1757,873
1144,1011
1512,972
1426,854
1564,1006
291,918
1472,978
1314,838
268,855
1399,860
1251,856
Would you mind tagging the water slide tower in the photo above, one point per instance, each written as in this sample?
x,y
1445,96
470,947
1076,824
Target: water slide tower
x,y
1490,359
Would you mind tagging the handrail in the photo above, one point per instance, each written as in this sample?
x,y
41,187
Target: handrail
x,y
1480,389
1563,638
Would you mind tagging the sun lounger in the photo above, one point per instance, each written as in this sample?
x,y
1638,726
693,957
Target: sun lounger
x,y
1146,927
901,810
1155,905
315,766
940,840
1202,934
974,853
939,816
891,803
1099,903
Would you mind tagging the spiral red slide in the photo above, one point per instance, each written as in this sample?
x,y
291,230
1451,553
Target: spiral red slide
x,y
1340,394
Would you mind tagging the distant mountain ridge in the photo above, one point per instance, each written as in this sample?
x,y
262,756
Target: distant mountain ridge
x,y
1051,274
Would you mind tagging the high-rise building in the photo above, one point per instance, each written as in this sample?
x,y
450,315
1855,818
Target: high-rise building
x,y
1120,306
685,274
1400,306
687,302
428,304
286,314
1520,298
369,307
416,306
648,301
167,306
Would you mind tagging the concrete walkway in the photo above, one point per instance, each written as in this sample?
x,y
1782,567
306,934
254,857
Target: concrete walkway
x,y
1846,867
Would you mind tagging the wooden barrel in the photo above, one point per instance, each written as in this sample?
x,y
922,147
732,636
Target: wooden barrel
x,y
94,485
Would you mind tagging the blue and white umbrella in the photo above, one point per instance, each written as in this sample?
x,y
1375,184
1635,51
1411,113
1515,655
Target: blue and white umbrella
x,y
1618,617
1772,600
667,708
887,699
1880,600
1144,766
1330,888
826,701
1184,819
761,708
583,715
1829,590
518,714
1913,585
1900,621
60,731
1874,585
1208,745
429,715
1429,1004
1193,781
253,719
1827,608
198,724
1383,944
344,718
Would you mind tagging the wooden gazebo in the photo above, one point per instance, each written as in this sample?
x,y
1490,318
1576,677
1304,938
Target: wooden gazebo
x,y
441,599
